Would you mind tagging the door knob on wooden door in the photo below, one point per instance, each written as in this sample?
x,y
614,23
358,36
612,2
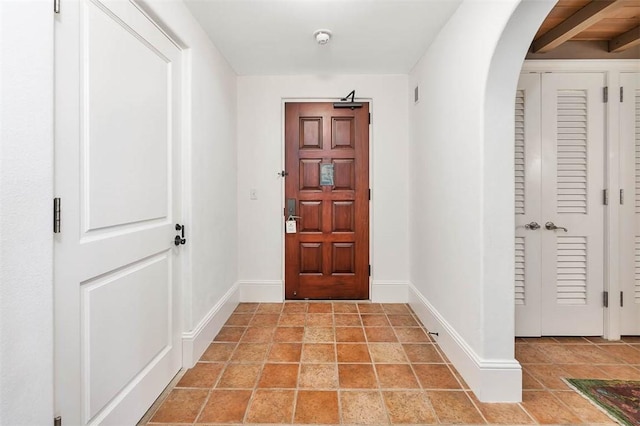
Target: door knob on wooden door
x,y
532,226
552,227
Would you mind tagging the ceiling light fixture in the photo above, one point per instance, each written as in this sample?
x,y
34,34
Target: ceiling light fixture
x,y
322,36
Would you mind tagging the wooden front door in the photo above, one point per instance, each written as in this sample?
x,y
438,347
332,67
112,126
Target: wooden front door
x,y
327,188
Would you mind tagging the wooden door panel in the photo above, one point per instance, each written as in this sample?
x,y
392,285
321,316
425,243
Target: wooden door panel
x,y
343,216
344,174
343,258
310,216
343,132
328,257
310,175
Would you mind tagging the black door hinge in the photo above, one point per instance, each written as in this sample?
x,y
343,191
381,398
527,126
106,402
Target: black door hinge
x,y
369,270
605,197
369,194
621,299
57,421
369,118
56,6
605,94
179,239
621,94
605,299
56,215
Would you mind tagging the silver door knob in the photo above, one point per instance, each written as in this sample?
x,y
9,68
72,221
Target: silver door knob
x,y
552,227
532,226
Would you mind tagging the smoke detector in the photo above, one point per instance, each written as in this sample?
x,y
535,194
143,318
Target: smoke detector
x,y
322,36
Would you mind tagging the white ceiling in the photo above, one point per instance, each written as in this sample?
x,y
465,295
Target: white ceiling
x,y
272,37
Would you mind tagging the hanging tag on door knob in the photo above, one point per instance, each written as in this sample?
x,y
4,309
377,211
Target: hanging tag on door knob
x,y
290,226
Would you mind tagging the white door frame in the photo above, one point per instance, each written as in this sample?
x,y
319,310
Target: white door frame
x,y
612,70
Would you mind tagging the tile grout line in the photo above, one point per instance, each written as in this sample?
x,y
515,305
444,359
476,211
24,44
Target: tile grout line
x,y
257,380
421,387
375,371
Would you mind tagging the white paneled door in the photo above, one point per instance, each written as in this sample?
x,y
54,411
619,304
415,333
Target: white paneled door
x,y
560,264
630,208
117,329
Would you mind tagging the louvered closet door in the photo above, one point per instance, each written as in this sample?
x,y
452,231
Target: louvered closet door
x,y
527,206
630,210
572,183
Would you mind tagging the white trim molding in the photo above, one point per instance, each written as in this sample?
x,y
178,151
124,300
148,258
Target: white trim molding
x,y
196,341
492,380
389,291
264,291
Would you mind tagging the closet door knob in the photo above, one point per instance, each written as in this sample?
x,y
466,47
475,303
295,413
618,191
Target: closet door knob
x,y
552,227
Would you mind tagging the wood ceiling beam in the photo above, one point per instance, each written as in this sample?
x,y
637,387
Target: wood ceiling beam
x,y
575,24
625,40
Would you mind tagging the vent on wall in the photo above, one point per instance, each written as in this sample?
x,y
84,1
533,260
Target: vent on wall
x,y
416,95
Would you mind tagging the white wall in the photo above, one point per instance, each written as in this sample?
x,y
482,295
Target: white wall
x,y
26,185
461,210
261,156
210,212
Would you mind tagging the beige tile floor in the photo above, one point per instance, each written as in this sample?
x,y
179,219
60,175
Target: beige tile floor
x,y
348,363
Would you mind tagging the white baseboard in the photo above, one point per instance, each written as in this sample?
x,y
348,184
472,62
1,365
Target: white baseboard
x,y
261,291
196,341
492,380
389,291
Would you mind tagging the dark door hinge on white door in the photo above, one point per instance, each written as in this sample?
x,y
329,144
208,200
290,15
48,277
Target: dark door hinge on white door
x,y
369,194
57,421
369,118
621,196
621,94
605,197
369,270
621,299
605,94
180,239
605,299
56,6
56,215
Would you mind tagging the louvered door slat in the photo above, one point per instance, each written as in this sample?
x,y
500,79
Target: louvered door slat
x,y
572,270
572,158
520,154
520,271
637,271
